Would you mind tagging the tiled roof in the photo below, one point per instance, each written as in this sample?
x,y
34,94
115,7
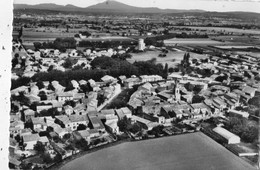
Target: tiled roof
x,y
31,137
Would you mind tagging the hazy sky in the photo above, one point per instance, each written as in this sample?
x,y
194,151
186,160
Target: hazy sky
x,y
209,5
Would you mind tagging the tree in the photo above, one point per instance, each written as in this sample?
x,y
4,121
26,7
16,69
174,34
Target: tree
x,y
66,136
57,158
14,108
42,95
135,128
81,127
46,158
37,46
250,134
197,99
69,87
255,101
15,60
124,124
68,63
39,147
40,84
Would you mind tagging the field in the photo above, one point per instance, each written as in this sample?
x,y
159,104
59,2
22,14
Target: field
x,y
234,30
173,57
191,41
184,152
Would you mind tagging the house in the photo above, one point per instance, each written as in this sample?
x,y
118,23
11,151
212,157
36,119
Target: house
x,y
16,127
39,124
62,97
44,140
108,79
85,134
80,109
28,114
108,113
93,133
63,121
146,87
150,78
219,103
97,124
26,131
112,125
228,136
164,95
249,91
61,131
146,124
16,163
43,107
238,113
200,110
76,120
68,110
124,111
78,96
130,82
30,141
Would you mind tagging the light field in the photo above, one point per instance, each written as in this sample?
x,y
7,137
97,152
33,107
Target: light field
x,y
184,152
172,57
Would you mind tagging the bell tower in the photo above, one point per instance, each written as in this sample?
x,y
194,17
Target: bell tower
x,y
177,91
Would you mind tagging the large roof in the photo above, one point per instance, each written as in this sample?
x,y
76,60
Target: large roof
x,y
31,137
224,133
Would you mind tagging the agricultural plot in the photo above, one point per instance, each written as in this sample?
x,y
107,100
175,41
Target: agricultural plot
x,y
190,41
193,151
222,29
172,57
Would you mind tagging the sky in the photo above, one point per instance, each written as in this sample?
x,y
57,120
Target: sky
x,y
208,5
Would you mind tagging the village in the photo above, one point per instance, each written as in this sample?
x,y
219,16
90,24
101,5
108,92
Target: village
x,y
50,122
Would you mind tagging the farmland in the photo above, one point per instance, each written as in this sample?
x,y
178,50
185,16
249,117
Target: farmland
x,y
222,29
190,41
172,57
191,151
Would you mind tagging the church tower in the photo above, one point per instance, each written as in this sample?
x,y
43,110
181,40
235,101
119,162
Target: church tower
x,y
177,91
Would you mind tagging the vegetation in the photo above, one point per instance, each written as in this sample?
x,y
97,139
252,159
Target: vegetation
x,y
59,43
39,147
241,127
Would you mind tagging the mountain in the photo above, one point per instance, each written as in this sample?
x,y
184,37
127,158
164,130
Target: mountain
x,y
107,6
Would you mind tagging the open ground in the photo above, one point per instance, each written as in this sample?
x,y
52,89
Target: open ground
x,y
191,151
172,58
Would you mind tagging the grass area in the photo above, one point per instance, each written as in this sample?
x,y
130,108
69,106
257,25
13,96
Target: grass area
x,y
172,58
191,151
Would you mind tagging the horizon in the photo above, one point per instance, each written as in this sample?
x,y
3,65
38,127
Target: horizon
x,y
206,5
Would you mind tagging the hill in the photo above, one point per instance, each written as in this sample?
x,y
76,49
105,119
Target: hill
x,y
107,6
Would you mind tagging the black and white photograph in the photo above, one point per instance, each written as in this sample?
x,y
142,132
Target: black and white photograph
x,y
130,84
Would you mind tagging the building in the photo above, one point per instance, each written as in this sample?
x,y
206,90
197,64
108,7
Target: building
x,y
62,97
238,113
141,44
97,124
76,120
124,111
39,124
146,124
230,137
30,141
150,78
